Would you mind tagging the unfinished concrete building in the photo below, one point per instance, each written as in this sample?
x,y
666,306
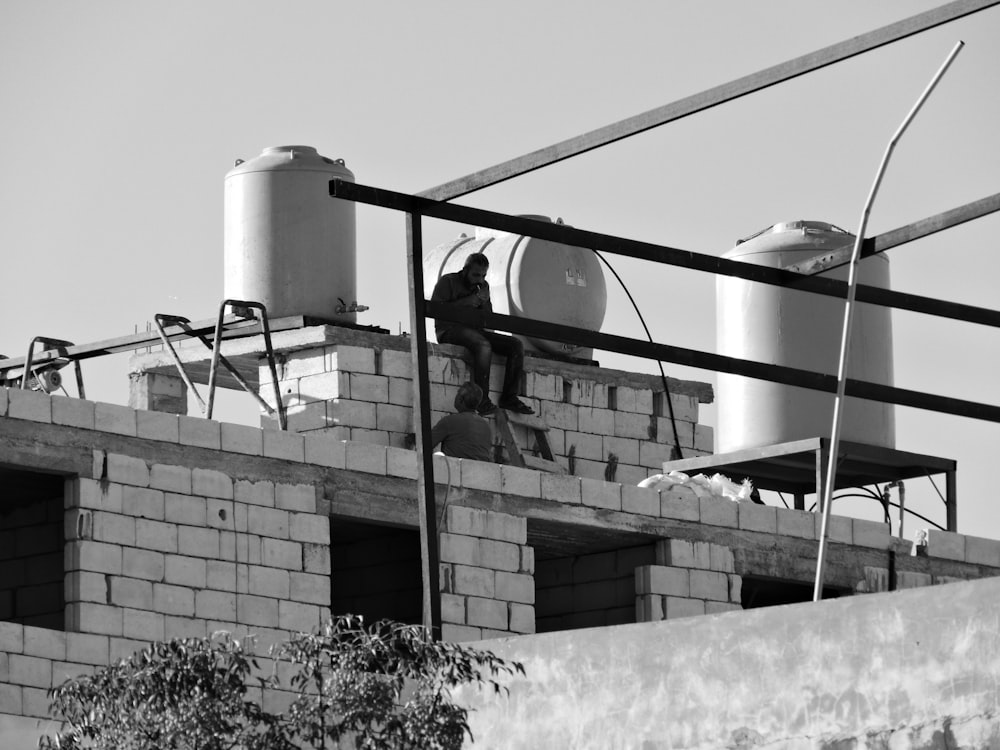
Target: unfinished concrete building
x,y
629,605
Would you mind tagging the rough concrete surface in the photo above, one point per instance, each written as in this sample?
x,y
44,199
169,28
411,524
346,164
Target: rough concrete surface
x,y
910,669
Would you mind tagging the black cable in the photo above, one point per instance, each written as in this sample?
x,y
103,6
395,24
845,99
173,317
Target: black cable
x,y
663,377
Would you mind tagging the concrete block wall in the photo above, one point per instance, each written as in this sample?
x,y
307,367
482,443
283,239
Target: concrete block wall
x,y
601,422
689,578
157,551
590,590
31,558
487,568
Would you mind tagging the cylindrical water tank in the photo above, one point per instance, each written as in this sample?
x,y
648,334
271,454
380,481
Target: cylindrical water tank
x,y
288,244
782,326
532,278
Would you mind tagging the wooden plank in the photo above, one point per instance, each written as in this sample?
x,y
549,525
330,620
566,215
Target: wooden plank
x,y
705,100
503,427
542,464
900,236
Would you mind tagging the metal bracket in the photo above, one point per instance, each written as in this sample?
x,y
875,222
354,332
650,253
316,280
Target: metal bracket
x,y
245,310
52,366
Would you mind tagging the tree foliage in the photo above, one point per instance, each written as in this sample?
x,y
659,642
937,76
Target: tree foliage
x,y
384,686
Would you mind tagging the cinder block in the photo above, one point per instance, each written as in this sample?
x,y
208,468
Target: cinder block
x,y
598,494
95,557
173,600
300,418
527,560
3,401
201,433
142,502
298,617
681,503
685,433
114,418
906,579
873,534
367,458
371,437
257,610
143,563
170,478
395,363
662,580
157,425
515,587
596,421
469,580
155,535
980,551
447,469
268,522
30,670
299,364
522,482
184,627
481,475
393,418
308,527
681,553
460,633
799,523
131,592
486,613
127,470
83,648
47,644
316,558
401,391
506,528
718,511
324,387
559,415
637,426
467,521
220,576
704,438
453,609
648,608
839,528
198,542
287,446
351,359
185,509
295,497
254,493
89,617
459,549
755,517
585,445
272,582
33,405
142,625
277,553
522,618
185,571
211,483
307,587
113,528
626,449
73,412
709,584
544,386
675,607
373,388
943,544
499,555
561,488
238,438
640,500
653,455
720,558
717,608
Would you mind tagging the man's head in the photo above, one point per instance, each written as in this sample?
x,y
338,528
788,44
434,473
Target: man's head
x,y
475,268
468,397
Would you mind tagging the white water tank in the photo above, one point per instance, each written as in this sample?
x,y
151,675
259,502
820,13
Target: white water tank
x,y
782,326
532,278
288,244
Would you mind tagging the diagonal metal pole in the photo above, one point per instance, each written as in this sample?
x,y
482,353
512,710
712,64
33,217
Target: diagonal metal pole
x,y
706,99
845,340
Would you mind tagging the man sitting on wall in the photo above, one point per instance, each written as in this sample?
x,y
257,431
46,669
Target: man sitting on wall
x,y
468,287
465,434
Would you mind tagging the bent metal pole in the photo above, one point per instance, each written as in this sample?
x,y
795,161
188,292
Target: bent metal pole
x,y
845,340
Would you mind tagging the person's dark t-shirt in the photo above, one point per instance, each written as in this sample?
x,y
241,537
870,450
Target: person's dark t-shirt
x,y
464,435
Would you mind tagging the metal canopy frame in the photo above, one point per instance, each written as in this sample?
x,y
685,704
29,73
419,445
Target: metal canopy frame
x,y
799,467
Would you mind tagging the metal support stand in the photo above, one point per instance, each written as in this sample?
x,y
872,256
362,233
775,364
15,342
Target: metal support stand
x,y
59,346
243,309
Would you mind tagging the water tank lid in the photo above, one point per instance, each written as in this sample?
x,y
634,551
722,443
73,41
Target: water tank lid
x,y
298,158
803,226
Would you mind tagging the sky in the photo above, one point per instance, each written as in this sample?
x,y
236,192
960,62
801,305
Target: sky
x,y
121,119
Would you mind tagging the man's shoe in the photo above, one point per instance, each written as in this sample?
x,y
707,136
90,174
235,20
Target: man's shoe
x,y
516,405
486,407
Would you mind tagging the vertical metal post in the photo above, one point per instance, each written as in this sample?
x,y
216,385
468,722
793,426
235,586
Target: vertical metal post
x,y
845,339
951,500
426,498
